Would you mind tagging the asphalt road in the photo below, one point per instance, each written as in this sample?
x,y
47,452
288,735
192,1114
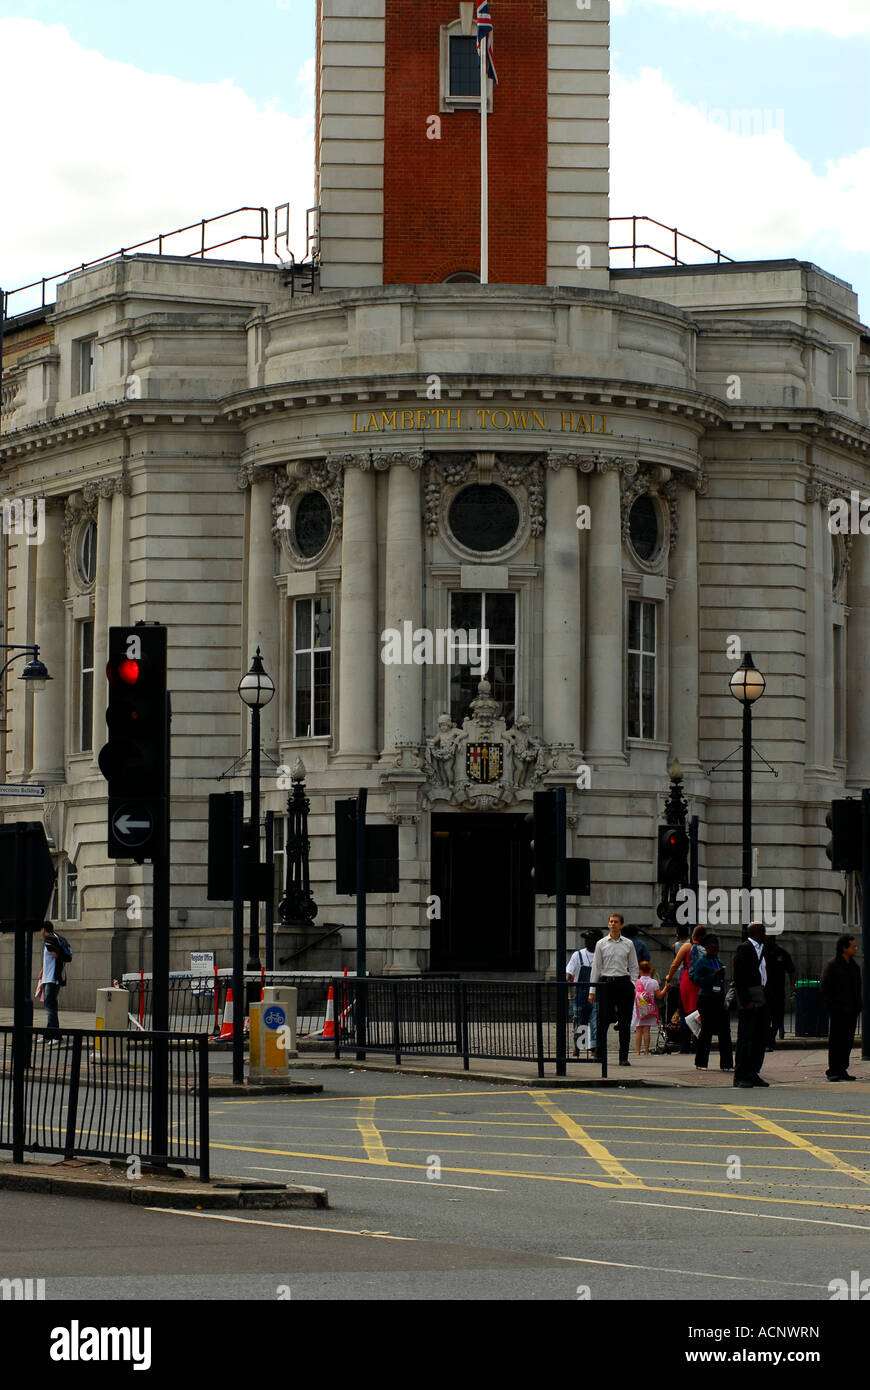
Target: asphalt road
x,y
455,1191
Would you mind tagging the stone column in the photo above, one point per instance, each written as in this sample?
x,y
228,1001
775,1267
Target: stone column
x,y
858,665
683,629
603,740
49,707
820,637
359,644
562,649
403,685
263,598
118,605
101,608
19,701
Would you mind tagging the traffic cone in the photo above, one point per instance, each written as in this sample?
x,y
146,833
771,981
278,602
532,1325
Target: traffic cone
x,y
329,1022
226,1032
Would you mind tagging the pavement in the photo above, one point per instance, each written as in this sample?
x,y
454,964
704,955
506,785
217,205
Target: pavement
x,y
796,1062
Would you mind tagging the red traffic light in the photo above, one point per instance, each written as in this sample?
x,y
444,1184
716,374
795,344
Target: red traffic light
x,y
123,669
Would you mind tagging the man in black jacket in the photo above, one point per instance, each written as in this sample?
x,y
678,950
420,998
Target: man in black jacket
x,y
841,991
779,965
753,1018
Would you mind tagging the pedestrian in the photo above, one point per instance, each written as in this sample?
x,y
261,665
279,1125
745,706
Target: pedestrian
x,y
750,978
684,961
646,1013
579,972
841,991
51,977
640,946
614,965
710,979
779,965
673,1007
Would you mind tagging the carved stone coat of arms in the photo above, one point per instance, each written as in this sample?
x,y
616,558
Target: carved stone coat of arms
x,y
483,765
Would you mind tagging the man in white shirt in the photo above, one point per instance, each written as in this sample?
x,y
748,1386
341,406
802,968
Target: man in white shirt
x,y
614,964
579,972
51,978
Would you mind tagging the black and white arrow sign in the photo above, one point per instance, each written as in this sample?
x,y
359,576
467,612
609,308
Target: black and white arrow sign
x,y
133,825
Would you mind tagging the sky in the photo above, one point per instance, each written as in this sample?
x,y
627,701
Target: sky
x,y
745,123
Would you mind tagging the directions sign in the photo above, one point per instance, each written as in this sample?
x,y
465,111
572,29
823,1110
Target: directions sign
x,y
133,825
21,789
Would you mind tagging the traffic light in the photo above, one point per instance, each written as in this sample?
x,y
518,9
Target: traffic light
x,y
544,842
673,864
844,847
381,853
135,760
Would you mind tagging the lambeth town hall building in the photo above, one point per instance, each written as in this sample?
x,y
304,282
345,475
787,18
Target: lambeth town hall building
x,y
621,477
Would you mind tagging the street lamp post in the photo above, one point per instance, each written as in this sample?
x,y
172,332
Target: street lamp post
x,y
256,689
747,685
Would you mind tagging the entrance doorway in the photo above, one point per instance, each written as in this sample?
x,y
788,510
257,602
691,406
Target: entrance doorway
x,y
482,872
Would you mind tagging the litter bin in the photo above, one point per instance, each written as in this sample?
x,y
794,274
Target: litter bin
x,y
810,1014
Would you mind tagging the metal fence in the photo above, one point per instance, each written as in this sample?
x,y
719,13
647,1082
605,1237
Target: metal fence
x,y
197,1003
88,1093
505,1020
500,1020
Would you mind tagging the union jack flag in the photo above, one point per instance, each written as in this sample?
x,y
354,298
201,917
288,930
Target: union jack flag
x,y
485,31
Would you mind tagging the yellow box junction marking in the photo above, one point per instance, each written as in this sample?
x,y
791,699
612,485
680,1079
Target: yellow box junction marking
x,y
612,1167
372,1141
823,1155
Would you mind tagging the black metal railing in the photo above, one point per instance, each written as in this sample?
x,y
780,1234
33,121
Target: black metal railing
x,y
671,255
197,1003
200,243
497,1020
88,1093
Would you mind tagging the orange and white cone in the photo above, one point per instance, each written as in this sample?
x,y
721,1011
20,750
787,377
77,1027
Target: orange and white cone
x,y
226,1032
329,1022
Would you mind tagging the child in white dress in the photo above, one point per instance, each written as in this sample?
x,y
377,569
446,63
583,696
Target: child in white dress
x,y
646,1013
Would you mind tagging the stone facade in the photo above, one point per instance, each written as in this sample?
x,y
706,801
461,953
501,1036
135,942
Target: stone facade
x,y
300,474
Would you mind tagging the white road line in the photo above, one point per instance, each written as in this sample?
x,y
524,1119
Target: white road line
x,y
756,1215
361,1177
695,1273
282,1225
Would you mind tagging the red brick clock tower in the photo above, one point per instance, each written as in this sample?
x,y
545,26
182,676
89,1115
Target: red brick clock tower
x,y
398,142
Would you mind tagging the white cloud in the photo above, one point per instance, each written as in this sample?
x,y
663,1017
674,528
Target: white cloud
x,y
752,196
103,155
841,18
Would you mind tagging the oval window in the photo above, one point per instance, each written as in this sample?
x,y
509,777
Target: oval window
x,y
484,518
87,556
643,527
313,524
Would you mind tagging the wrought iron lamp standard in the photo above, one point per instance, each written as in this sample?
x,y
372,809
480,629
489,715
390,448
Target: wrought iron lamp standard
x,y
297,907
256,689
747,685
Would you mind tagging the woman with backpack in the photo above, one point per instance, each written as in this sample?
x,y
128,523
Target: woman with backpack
x,y
687,956
56,955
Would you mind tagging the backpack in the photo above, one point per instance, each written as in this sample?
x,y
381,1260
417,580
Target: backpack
x,y
694,956
642,1002
65,949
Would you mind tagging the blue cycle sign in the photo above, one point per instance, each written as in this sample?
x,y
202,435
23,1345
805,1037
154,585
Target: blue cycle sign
x,y
274,1017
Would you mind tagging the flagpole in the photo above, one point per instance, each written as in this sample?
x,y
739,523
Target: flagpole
x,y
484,165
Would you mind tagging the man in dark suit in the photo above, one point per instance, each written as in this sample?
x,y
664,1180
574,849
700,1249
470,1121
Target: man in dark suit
x,y
753,1018
841,991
